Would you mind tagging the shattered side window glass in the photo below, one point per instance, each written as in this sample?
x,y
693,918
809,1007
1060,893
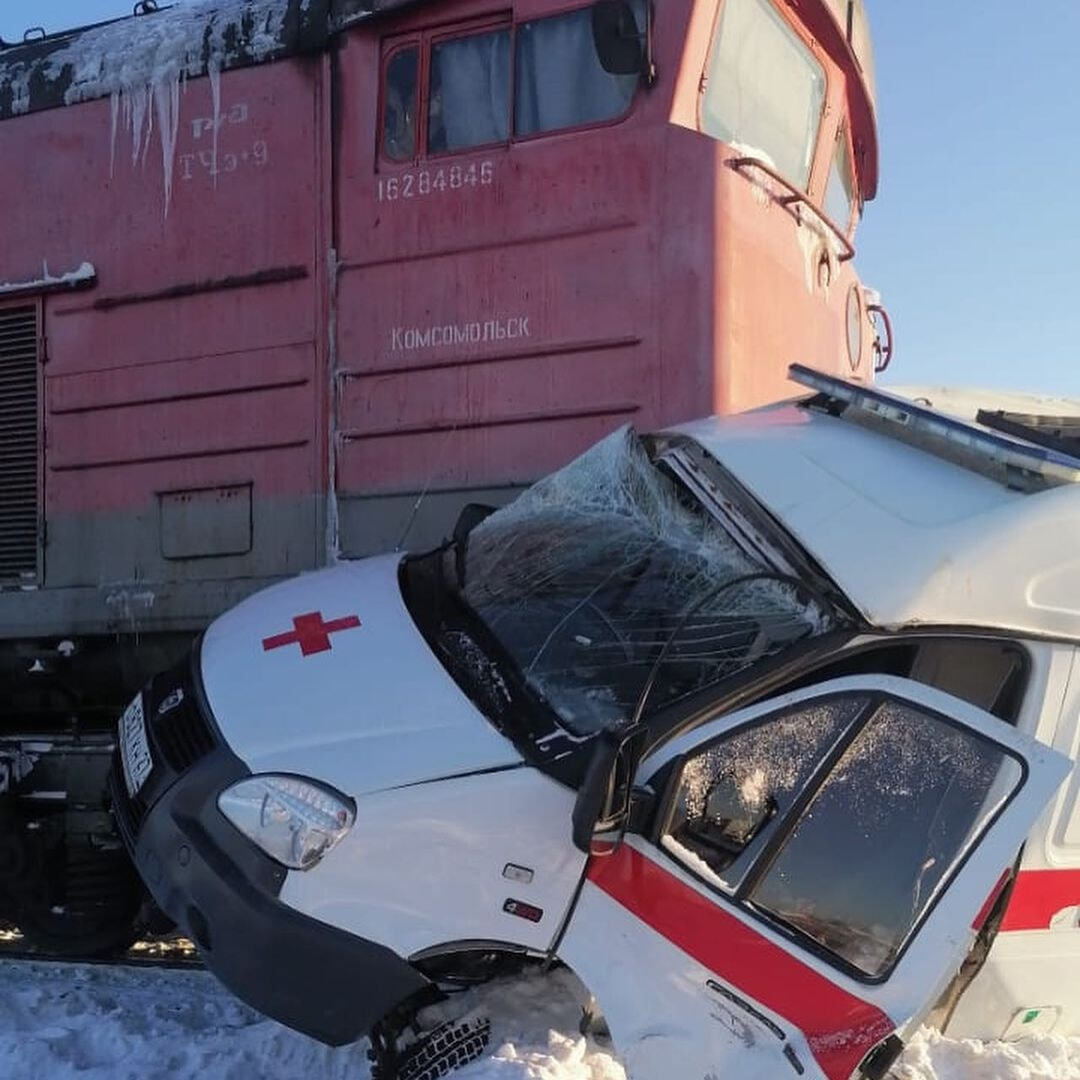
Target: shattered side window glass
x,y
882,836
731,792
585,577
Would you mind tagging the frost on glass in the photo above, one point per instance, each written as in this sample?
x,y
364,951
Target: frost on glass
x,y
883,835
730,792
588,573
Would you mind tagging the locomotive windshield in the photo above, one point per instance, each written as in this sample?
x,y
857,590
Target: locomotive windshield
x,y
765,90
606,566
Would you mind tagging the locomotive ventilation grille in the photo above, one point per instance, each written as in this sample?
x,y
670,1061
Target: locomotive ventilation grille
x,y
18,443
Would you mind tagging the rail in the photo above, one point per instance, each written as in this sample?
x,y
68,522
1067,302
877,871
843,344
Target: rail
x,y
161,951
794,201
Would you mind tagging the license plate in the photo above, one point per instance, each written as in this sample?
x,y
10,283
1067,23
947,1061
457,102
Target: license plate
x,y
134,748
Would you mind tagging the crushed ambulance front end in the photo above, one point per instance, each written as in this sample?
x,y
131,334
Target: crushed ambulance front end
x,y
353,702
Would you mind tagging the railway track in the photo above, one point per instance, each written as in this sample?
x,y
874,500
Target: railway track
x,y
158,952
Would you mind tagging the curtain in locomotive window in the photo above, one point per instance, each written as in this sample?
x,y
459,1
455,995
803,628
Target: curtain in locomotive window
x,y
560,83
765,88
470,92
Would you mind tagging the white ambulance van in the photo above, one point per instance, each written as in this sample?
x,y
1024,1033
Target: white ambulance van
x,y
765,727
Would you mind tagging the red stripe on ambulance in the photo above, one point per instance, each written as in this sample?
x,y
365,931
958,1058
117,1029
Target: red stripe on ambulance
x,y
839,1027
1038,896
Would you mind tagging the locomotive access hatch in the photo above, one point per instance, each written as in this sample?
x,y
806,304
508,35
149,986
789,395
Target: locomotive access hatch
x,y
19,465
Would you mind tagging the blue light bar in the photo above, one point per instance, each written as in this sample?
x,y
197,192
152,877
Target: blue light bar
x,y
923,427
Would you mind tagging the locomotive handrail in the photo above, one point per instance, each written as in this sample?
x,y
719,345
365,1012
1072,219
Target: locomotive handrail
x,y
883,350
794,200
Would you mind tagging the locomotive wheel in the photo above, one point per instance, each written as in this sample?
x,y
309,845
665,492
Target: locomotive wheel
x,y
90,911
15,856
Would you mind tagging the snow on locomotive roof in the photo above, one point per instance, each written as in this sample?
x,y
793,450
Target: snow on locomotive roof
x,y
83,275
126,55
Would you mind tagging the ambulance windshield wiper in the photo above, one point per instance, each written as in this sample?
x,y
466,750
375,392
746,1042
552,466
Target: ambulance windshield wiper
x,y
471,515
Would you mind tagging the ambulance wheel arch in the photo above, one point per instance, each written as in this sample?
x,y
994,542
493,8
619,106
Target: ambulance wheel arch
x,y
811,879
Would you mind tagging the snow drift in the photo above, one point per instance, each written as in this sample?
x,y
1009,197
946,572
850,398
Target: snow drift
x,y
73,1022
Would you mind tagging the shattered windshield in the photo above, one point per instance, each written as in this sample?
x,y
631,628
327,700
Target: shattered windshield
x,y
604,567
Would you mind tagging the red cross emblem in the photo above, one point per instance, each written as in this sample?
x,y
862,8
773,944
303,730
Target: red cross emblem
x,y
311,633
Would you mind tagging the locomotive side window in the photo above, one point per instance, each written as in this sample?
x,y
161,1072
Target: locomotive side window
x,y
559,80
446,92
840,190
399,104
764,88
469,96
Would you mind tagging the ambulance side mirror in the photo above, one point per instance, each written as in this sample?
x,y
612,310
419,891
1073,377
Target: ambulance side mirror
x,y
602,808
617,38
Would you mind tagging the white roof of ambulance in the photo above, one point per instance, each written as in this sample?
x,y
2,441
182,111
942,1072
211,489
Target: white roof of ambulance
x,y
909,536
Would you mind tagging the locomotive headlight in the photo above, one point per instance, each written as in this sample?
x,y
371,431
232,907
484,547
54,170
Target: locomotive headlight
x,y
295,821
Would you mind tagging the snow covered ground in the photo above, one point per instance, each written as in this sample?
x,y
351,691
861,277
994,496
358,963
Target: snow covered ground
x,y
60,1021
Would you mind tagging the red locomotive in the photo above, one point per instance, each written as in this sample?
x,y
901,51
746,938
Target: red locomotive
x,y
285,281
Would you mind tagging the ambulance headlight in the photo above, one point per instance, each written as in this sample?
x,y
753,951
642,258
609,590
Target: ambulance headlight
x,y
295,821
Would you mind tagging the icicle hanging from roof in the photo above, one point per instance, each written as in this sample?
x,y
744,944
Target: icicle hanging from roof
x,y
140,63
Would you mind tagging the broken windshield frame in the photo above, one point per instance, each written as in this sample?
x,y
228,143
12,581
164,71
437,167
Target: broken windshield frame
x,y
612,567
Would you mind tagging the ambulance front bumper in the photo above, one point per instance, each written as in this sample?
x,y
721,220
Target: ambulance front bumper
x,y
223,892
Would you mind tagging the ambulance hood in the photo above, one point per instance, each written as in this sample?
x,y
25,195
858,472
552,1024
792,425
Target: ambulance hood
x,y
327,676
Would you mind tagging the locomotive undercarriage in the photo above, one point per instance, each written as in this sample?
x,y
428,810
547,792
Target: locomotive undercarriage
x,y
65,880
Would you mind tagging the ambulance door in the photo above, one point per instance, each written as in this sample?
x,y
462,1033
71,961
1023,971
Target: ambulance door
x,y
813,872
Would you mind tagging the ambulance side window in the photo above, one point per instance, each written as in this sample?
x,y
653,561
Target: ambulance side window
x,y
880,838
732,794
842,820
